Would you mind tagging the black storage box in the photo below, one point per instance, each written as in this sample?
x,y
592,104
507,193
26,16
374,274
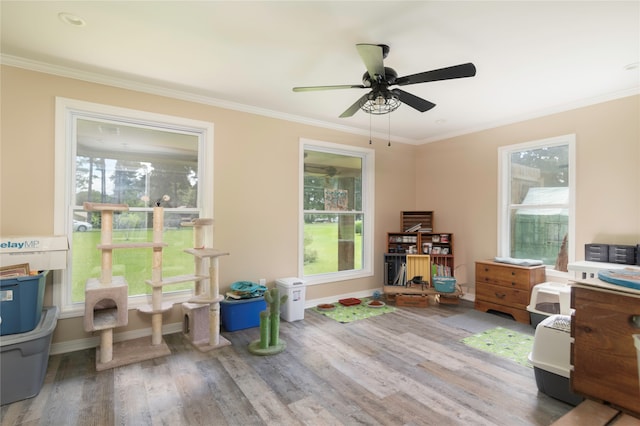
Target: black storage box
x,y
622,254
596,252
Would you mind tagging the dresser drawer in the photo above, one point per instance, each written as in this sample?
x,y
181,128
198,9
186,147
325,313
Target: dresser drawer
x,y
509,275
503,295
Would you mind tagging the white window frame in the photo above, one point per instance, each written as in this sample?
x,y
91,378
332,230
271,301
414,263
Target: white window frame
x,y
504,185
66,113
368,190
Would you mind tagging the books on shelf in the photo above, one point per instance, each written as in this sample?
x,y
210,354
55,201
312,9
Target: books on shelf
x,y
401,276
414,228
440,270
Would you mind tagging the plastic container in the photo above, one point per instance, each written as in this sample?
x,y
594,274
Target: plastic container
x,y
444,284
242,313
21,303
596,252
548,299
623,254
24,360
550,357
293,308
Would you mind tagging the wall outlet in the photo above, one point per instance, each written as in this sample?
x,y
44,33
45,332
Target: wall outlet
x,y
263,281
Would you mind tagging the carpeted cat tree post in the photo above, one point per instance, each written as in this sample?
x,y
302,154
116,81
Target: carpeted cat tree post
x,y
270,343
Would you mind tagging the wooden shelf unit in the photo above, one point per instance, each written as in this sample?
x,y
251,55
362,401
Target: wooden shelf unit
x,y
409,219
398,244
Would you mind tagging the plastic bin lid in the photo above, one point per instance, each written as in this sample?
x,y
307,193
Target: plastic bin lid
x,y
290,282
48,322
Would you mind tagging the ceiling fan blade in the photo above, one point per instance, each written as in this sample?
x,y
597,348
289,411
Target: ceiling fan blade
x,y
372,55
448,73
355,107
413,101
340,86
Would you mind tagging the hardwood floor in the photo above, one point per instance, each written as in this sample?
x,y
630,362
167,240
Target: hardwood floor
x,y
401,368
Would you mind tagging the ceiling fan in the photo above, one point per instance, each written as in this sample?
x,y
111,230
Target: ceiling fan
x,y
381,99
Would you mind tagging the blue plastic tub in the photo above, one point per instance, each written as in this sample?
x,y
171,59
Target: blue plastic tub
x,y
444,284
21,303
242,313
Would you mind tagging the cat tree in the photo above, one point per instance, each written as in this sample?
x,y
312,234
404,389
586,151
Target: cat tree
x,y
106,299
205,305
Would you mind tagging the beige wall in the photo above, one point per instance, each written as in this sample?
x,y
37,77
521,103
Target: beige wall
x,y
256,219
256,180
457,178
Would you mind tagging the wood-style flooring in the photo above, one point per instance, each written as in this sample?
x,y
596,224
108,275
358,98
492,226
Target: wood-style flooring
x,y
401,368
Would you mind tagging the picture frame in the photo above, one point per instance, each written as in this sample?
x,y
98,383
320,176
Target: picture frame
x,y
11,271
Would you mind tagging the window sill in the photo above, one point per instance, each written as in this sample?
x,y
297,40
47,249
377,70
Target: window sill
x,y
559,276
335,277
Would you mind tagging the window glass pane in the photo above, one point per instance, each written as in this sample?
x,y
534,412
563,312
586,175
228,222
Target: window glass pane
x,y
333,218
124,163
332,243
538,233
539,207
119,163
134,264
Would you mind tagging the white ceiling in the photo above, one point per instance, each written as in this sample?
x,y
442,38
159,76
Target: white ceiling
x,y
532,58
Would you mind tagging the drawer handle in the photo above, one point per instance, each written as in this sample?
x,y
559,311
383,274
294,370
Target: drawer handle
x,y
513,273
501,295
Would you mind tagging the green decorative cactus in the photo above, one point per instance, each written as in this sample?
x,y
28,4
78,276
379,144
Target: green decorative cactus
x,y
270,343
274,302
265,327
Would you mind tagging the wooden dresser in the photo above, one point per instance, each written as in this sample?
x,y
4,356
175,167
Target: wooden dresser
x,y
506,288
603,353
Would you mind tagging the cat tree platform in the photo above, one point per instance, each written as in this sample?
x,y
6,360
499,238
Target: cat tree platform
x,y
132,351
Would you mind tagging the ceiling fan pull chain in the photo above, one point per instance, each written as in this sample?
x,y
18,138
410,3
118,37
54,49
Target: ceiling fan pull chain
x,y
369,129
389,144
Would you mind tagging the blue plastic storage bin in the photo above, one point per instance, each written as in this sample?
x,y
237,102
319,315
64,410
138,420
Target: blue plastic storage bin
x,y
21,303
242,313
24,359
444,284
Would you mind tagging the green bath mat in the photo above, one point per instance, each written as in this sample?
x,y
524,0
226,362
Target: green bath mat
x,y
504,343
346,314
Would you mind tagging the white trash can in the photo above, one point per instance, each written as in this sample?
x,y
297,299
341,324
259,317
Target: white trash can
x,y
293,308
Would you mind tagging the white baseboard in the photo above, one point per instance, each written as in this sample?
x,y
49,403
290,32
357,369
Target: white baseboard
x,y
94,341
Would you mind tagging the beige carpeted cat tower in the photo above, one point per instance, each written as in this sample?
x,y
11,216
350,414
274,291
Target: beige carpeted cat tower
x,y
106,299
202,312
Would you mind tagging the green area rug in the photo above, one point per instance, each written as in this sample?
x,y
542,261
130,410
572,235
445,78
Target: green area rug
x,y
504,343
346,314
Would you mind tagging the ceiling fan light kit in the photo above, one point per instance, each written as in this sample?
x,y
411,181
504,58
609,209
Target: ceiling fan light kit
x,y
381,104
378,78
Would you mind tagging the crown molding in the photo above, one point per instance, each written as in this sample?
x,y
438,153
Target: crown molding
x,y
184,95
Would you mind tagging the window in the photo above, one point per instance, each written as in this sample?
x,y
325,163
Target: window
x,y
336,212
536,201
113,155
